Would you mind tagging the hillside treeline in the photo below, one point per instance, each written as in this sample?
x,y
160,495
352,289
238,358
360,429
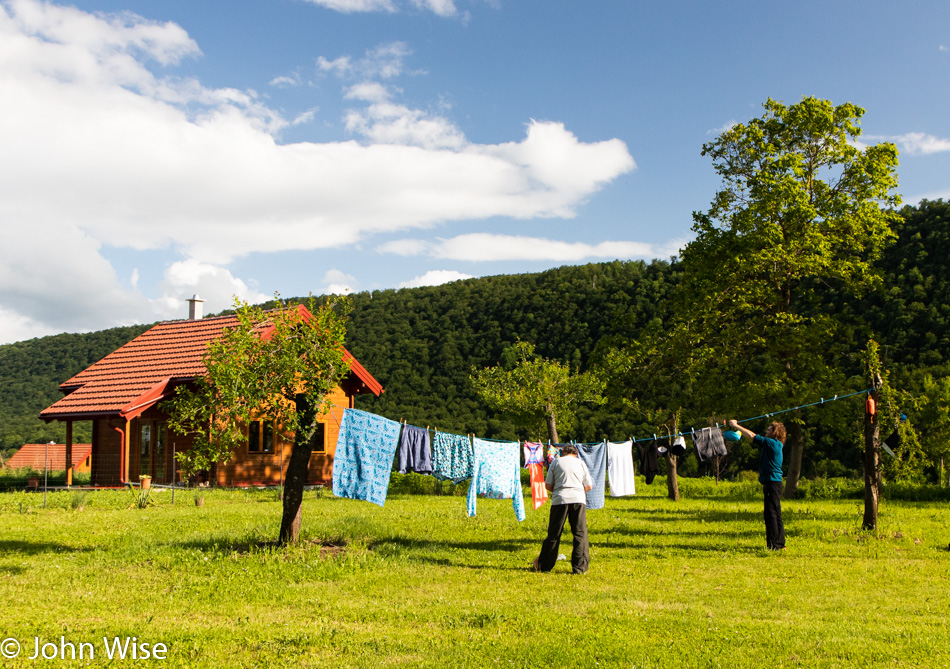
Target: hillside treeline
x,y
422,344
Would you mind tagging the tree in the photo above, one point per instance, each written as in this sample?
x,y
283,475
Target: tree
x,y
803,207
883,414
280,364
536,391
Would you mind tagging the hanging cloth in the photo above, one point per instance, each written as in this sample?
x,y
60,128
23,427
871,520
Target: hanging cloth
x,y
451,457
534,463
709,442
364,456
554,452
496,474
649,464
595,457
413,453
620,473
533,453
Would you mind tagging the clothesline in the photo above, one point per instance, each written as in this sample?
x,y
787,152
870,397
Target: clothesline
x,y
691,430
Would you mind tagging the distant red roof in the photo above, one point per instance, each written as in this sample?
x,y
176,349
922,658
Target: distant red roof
x,y
140,373
36,456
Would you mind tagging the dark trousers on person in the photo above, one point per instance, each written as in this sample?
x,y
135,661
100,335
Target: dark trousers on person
x,y
580,556
774,529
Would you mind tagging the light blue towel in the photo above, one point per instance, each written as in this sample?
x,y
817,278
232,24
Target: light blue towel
x,y
496,474
364,456
595,457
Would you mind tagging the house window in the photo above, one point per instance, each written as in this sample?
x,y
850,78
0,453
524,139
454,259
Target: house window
x,y
318,442
260,436
145,454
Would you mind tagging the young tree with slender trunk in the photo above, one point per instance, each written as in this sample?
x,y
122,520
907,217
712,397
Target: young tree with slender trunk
x,y
536,392
279,364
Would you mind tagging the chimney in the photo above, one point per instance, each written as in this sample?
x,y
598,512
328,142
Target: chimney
x,y
194,308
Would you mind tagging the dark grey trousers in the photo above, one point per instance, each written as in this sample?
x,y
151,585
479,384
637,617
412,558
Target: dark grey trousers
x,y
580,556
774,528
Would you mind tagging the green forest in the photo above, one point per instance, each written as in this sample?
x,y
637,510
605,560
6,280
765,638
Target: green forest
x,y
423,344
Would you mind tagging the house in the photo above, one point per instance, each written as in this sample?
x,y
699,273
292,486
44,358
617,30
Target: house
x,y
50,456
121,393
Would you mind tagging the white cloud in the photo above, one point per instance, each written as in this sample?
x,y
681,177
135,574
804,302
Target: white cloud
x,y
435,277
337,282
440,7
728,125
338,66
913,143
385,61
285,82
99,149
349,6
942,47
215,285
367,91
485,247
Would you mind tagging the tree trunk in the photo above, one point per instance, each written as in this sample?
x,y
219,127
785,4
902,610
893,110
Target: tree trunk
x,y
796,448
872,468
672,483
552,427
298,468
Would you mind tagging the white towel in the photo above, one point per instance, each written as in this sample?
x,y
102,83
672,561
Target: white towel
x,y
620,472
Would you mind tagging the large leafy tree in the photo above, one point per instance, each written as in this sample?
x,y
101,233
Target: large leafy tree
x,y
535,391
278,364
803,207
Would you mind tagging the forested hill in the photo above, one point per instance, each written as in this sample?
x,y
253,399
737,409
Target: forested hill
x,y
30,374
422,343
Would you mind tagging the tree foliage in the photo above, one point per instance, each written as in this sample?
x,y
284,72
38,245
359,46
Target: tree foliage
x,y
801,208
279,364
535,391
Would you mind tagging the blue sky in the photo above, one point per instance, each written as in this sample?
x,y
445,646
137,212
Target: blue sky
x,y
152,150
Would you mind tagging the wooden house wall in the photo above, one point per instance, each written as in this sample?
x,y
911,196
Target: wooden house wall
x,y
106,452
246,468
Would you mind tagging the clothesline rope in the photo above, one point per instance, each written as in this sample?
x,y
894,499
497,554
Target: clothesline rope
x,y
690,432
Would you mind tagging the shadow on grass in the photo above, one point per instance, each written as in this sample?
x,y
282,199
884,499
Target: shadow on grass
x,y
259,545
37,547
707,515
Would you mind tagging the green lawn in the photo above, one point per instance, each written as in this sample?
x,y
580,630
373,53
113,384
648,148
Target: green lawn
x,y
418,583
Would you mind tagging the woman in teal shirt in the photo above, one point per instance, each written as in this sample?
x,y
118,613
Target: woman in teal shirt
x,y
770,476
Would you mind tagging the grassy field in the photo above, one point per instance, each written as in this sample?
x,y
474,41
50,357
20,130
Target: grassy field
x,y
418,583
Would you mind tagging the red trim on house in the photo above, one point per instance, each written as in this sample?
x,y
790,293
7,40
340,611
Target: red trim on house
x,y
138,406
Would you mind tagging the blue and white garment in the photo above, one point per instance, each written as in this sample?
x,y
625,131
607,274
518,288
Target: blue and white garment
x,y
451,457
364,456
595,457
496,474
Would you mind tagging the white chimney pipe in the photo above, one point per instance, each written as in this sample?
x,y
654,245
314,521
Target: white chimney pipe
x,y
194,308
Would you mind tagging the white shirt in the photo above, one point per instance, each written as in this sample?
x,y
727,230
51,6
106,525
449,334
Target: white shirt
x,y
569,476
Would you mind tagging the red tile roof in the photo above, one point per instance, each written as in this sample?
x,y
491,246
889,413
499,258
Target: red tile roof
x,y
133,377
35,455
